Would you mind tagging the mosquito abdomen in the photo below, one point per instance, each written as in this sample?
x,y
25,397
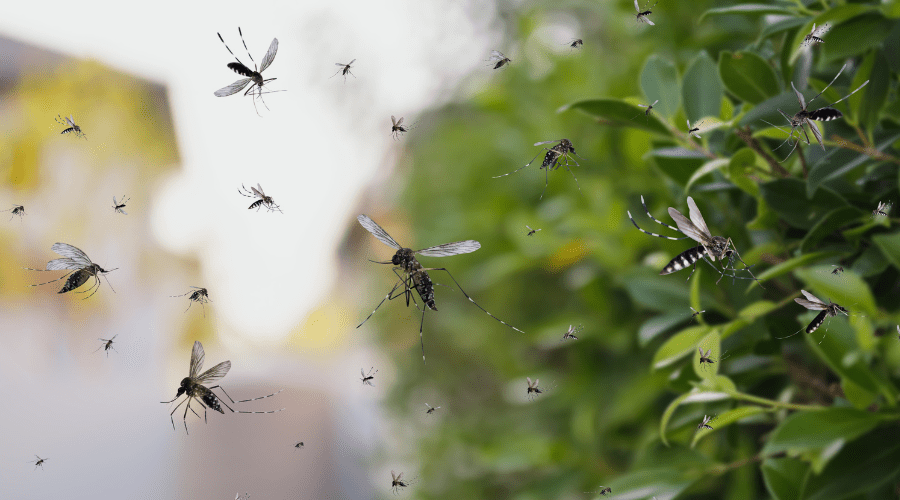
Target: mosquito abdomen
x,y
243,70
817,321
75,280
687,258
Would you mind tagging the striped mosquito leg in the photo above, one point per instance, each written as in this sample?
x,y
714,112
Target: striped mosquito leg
x,y
470,298
816,322
687,258
406,290
659,221
57,279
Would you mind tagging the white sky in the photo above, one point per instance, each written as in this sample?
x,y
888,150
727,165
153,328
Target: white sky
x,y
316,150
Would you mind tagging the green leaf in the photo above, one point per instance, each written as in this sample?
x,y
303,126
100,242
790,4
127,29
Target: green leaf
x,y
679,345
678,163
855,36
727,418
889,244
738,168
619,113
860,467
871,99
838,161
757,309
646,482
667,415
657,325
746,9
793,263
659,80
702,88
784,477
712,342
829,224
707,168
748,76
789,199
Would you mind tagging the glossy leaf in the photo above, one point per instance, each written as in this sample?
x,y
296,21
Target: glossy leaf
x,y
860,467
702,88
727,418
659,80
619,113
748,76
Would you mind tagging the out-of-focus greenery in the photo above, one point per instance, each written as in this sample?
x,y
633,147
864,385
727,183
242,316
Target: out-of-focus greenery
x,y
811,416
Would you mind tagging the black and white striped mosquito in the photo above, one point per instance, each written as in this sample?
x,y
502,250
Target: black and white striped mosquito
x,y
805,117
815,36
38,463
706,420
431,409
570,333
551,160
695,130
643,16
118,206
199,295
647,112
107,345
882,210
696,313
501,60
531,231
79,266
299,445
715,247
811,302
705,359
345,70
367,377
71,127
412,276
533,389
261,199
15,210
194,388
397,482
252,75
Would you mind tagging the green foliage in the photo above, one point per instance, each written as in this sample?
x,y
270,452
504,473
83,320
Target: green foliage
x,y
804,417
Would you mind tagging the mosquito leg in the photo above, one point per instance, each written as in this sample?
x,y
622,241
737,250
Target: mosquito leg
x,y
229,49
254,399
421,326
546,182
57,279
226,394
386,297
94,288
573,173
520,168
470,298
245,46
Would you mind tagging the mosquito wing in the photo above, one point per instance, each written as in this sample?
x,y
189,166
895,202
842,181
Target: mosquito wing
x,y
351,63
362,372
648,21
214,373
686,226
394,476
399,122
816,132
270,55
197,357
529,381
799,96
258,192
812,297
496,54
697,217
61,264
234,88
813,303
394,121
71,120
448,249
377,232
547,142
72,253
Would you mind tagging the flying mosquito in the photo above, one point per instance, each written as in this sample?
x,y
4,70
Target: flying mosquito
x,y
107,345
367,377
815,36
194,388
806,117
642,16
533,389
15,210
551,160
531,231
837,270
431,409
69,123
706,420
252,75
263,201
704,357
398,128
813,303
882,210
695,130
397,482
603,491
345,70
415,277
570,333
647,112
576,43
119,206
716,247
696,313
199,295
38,463
79,266
299,445
501,59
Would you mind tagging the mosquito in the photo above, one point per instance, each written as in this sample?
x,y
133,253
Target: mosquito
x,y
570,333
345,70
299,445
531,231
704,357
533,389
501,59
261,199
415,277
69,123
398,128
642,16
38,463
199,295
551,160
397,482
15,210
79,266
431,409
252,75
194,388
694,131
647,112
715,247
706,420
837,270
811,302
367,377
815,36
119,206
882,210
576,43
806,117
107,345
696,313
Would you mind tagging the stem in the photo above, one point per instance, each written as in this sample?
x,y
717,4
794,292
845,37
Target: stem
x,y
722,469
776,404
803,163
867,150
747,137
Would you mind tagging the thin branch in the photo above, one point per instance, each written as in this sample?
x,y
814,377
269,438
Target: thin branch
x,y
747,137
867,150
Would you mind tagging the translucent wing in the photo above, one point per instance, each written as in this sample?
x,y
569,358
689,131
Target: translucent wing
x,y
697,217
537,381
644,105
819,32
214,373
815,306
648,21
799,96
816,132
71,120
340,64
399,122
546,142
529,381
496,54
637,7
270,55
448,249
72,253
234,88
362,372
115,203
654,102
811,297
258,192
394,121
377,232
686,226
394,475
351,62
197,357
60,264
123,211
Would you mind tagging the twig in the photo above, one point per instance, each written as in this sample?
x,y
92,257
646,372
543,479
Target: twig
x,y
747,137
868,150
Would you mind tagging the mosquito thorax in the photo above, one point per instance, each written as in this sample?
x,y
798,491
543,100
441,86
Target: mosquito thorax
x,y
404,258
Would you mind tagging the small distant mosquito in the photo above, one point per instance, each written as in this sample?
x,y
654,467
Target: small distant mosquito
x,y
252,75
38,463
837,269
570,333
501,59
694,131
412,276
345,70
828,310
194,388
431,409
576,43
882,210
647,112
398,128
119,206
397,482
805,117
815,36
199,295
367,377
642,16
69,123
15,210
79,266
299,445
531,231
533,389
706,420
107,345
696,313
704,357
551,160
263,201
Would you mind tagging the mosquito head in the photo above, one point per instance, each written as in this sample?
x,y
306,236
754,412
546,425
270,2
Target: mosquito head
x,y
185,385
836,309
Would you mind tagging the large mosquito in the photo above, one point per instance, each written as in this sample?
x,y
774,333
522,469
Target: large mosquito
x,y
79,266
367,377
551,161
815,36
501,59
415,277
806,117
716,247
345,70
261,199
252,75
643,16
69,123
811,302
397,482
38,463
15,210
118,206
199,295
647,112
194,388
705,423
107,345
882,210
